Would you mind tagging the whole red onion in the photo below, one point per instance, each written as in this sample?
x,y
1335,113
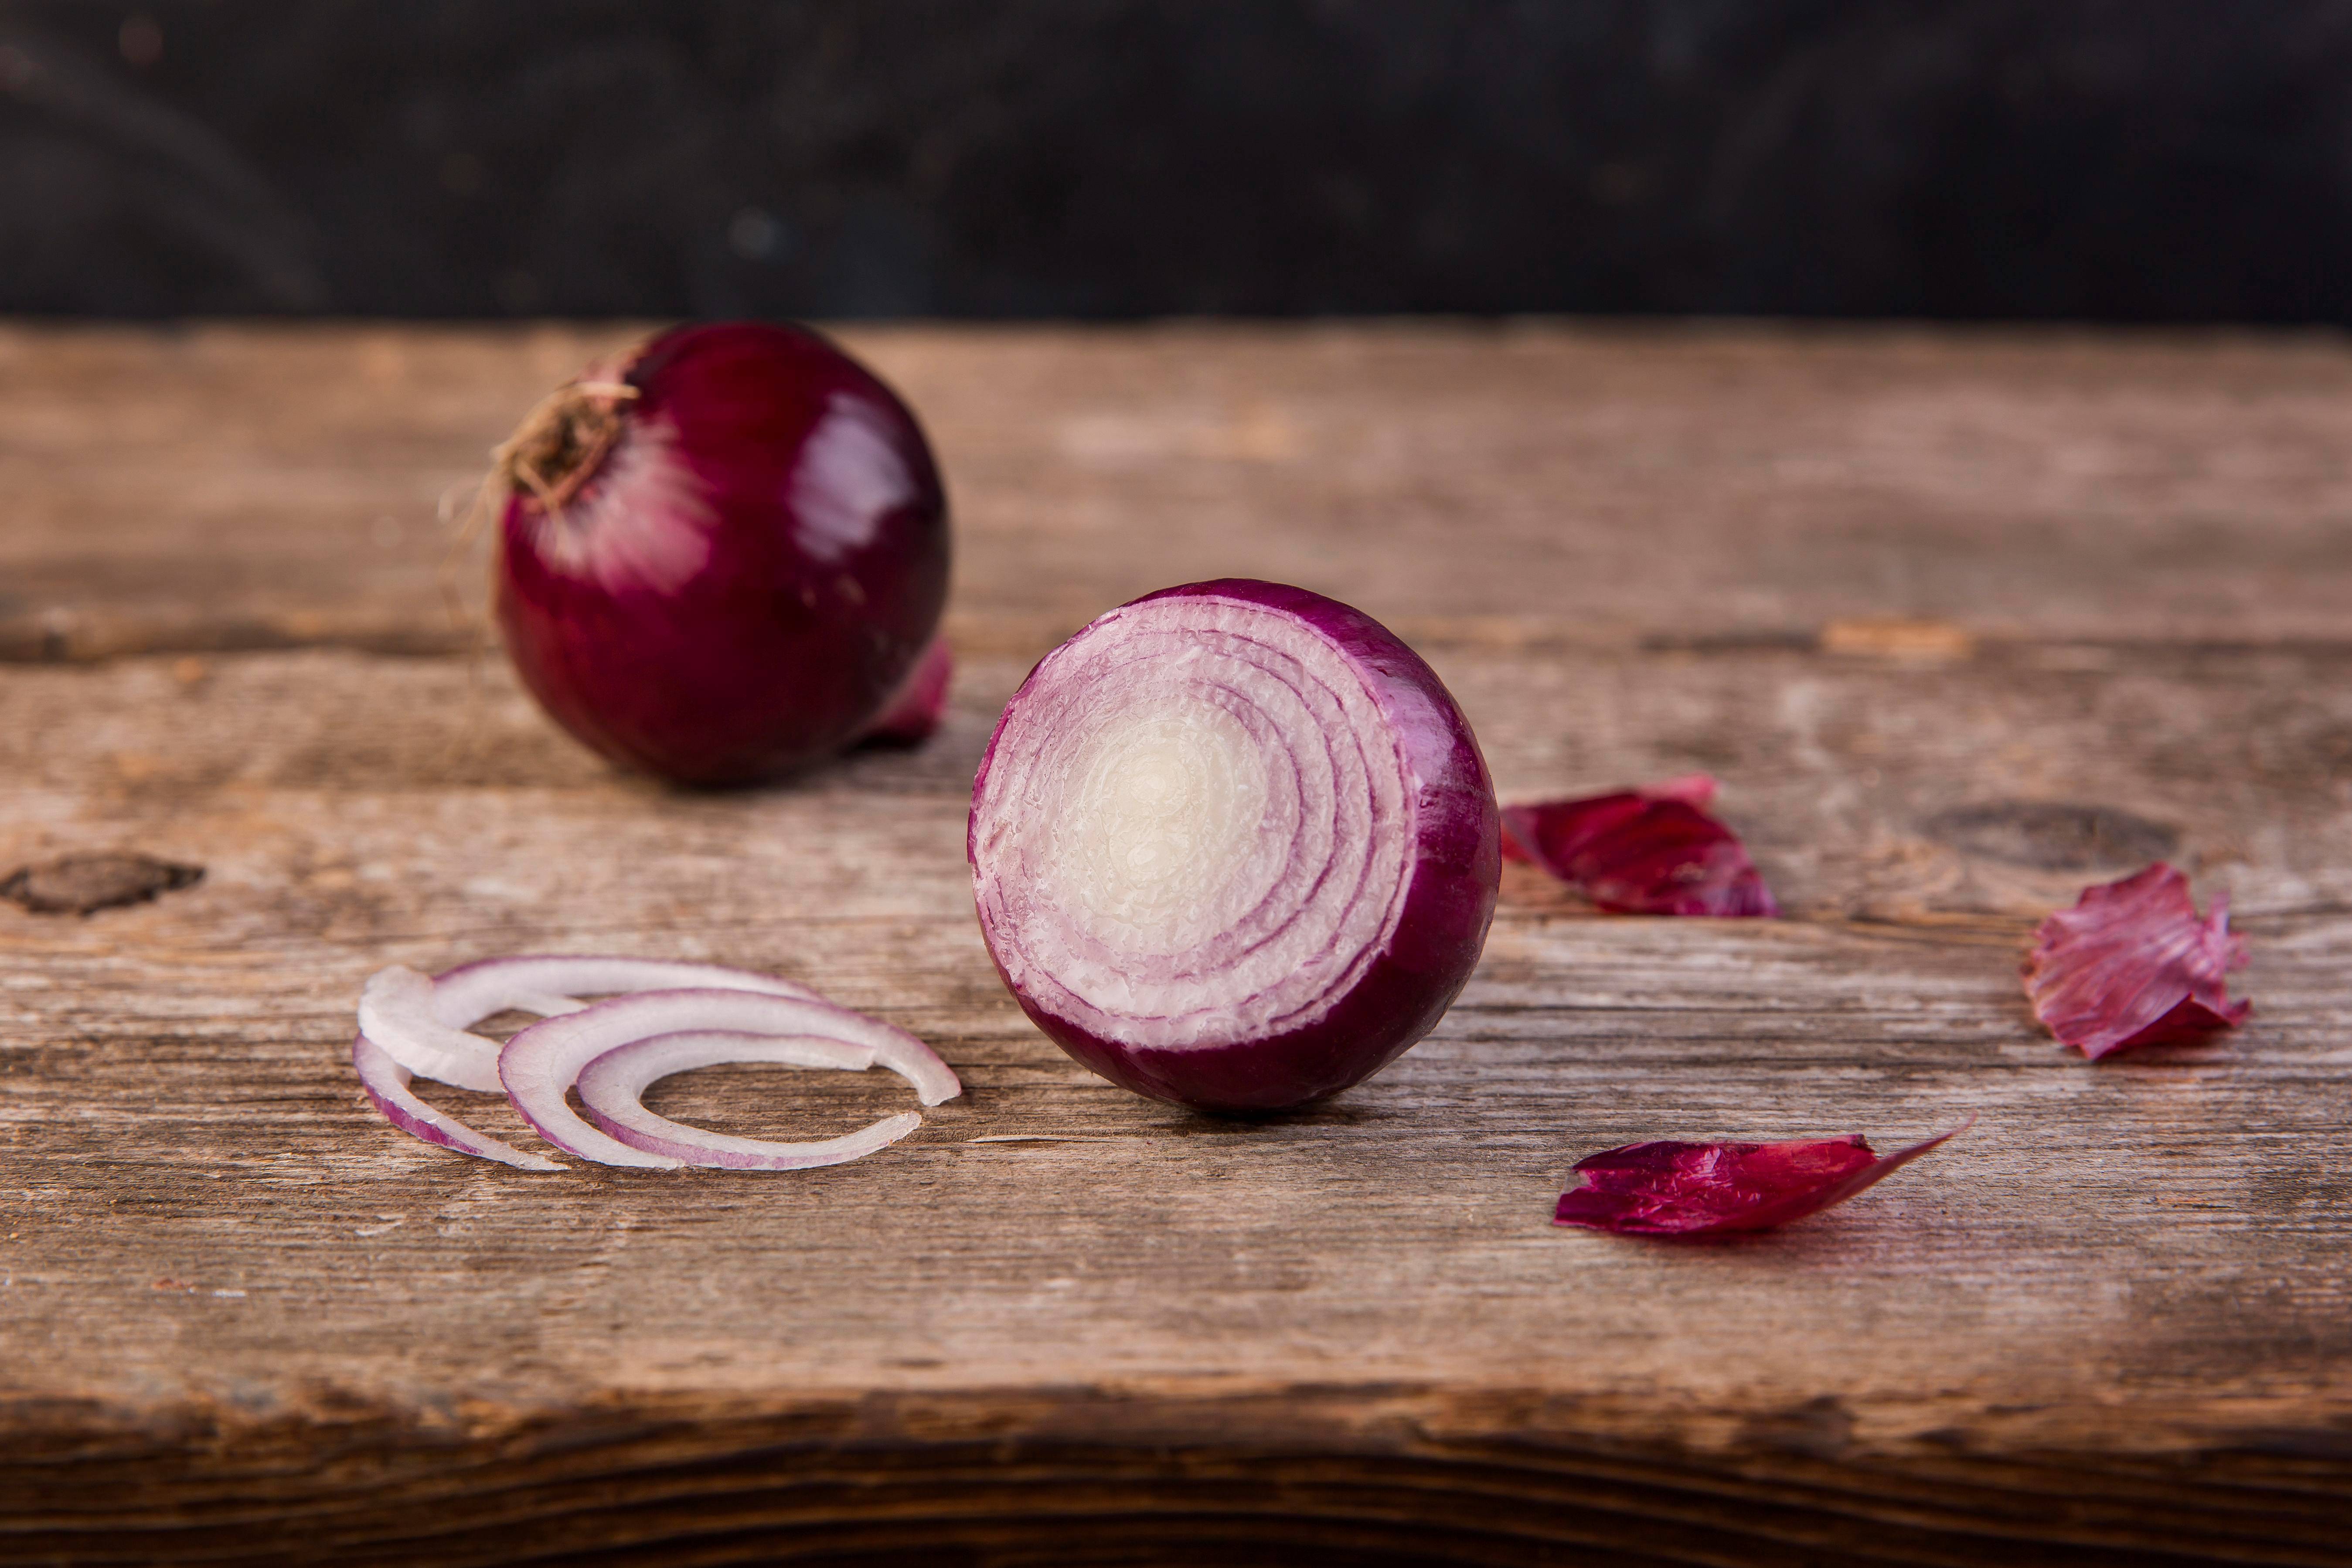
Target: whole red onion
x,y
723,556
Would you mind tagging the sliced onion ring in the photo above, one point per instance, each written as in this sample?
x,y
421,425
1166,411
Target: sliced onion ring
x,y
612,1088
422,1021
543,1062
387,1082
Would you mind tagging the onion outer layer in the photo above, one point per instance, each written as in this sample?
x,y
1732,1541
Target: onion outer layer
x,y
1394,988
720,559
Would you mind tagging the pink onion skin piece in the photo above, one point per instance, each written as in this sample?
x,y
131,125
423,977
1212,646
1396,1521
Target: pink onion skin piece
x,y
1455,869
913,716
1654,851
1671,1189
2131,965
387,1082
744,581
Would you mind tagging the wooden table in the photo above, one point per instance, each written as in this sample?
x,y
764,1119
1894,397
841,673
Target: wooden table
x,y
1901,591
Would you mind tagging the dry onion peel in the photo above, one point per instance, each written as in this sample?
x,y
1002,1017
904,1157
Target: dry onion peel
x,y
2133,964
612,1088
1678,1189
543,1062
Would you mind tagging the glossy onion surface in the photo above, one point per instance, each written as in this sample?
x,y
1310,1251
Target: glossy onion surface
x,y
1233,846
730,554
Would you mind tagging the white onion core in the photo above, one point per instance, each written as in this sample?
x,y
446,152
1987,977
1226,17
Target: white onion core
x,y
1158,835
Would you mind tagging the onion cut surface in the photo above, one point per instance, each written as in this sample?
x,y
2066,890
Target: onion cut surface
x,y
613,1089
1676,1189
541,1063
1234,846
2131,965
1651,851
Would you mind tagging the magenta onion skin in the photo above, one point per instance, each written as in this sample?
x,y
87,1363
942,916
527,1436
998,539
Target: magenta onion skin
x,y
1452,871
741,582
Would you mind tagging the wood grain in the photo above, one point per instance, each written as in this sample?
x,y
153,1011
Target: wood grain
x,y
1925,604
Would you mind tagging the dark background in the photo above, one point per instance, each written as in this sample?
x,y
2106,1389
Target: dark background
x,y
2138,160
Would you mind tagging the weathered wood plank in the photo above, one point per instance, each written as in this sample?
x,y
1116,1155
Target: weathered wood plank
x,y
242,1319
252,487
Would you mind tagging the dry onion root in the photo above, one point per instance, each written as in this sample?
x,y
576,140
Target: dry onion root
x,y
668,1017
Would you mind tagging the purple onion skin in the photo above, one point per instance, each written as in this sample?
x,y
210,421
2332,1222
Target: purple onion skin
x,y
1457,871
784,643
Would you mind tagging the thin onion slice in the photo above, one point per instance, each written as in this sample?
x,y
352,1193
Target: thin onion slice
x,y
423,1022
387,1082
612,1088
543,1062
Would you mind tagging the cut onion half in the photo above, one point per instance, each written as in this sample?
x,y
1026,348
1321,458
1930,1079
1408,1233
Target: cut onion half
x,y
1234,846
612,1088
543,1061
387,1082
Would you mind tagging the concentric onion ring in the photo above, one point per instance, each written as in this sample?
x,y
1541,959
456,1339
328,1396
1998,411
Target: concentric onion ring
x,y
422,1021
612,1088
387,1082
426,1018
543,1061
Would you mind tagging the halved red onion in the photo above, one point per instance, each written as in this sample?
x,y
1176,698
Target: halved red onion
x,y
387,1082
1233,846
422,1021
1713,1189
543,1061
613,1089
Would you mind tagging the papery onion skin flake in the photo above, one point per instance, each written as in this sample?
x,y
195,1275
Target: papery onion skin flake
x,y
2132,964
913,716
1676,1189
1233,846
1653,851
721,559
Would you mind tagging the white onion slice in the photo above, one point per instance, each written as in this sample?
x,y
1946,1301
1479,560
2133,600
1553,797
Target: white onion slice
x,y
423,1022
387,1082
543,1062
612,1088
